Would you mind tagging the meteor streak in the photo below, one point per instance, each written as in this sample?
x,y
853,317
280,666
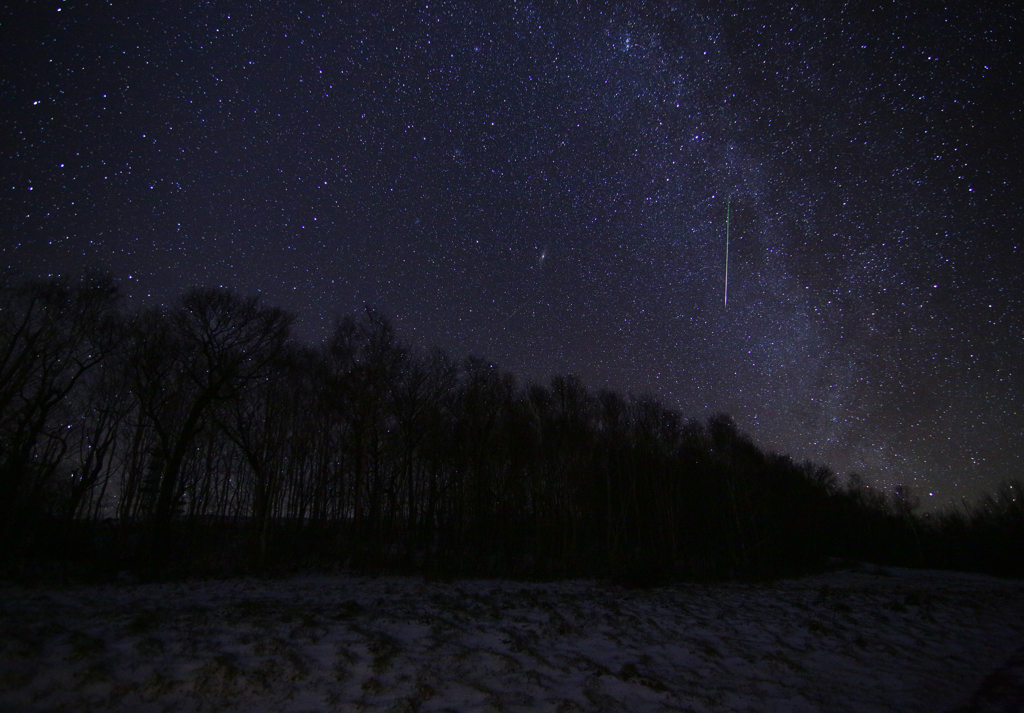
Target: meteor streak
x,y
727,206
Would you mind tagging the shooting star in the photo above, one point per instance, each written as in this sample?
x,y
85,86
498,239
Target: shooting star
x,y
727,206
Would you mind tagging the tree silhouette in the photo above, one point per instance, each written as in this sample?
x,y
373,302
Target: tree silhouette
x,y
209,348
53,333
200,437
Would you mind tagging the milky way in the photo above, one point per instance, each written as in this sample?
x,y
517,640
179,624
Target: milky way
x,y
545,184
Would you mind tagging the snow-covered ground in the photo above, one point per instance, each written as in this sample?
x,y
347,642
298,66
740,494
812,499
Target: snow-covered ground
x,y
870,640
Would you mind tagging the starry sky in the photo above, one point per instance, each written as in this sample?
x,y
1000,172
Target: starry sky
x,y
546,184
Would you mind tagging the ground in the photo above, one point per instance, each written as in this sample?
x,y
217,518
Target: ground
x,y
869,639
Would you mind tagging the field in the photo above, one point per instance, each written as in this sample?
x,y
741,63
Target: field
x,y
869,639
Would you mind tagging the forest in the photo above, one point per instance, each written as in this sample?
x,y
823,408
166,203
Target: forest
x,y
203,439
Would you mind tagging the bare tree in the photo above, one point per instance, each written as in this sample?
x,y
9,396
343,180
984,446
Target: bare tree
x,y
365,361
52,334
261,422
418,403
209,348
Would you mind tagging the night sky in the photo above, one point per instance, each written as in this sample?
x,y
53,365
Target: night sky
x,y
545,184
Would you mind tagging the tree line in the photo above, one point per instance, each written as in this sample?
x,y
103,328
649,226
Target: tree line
x,y
202,438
